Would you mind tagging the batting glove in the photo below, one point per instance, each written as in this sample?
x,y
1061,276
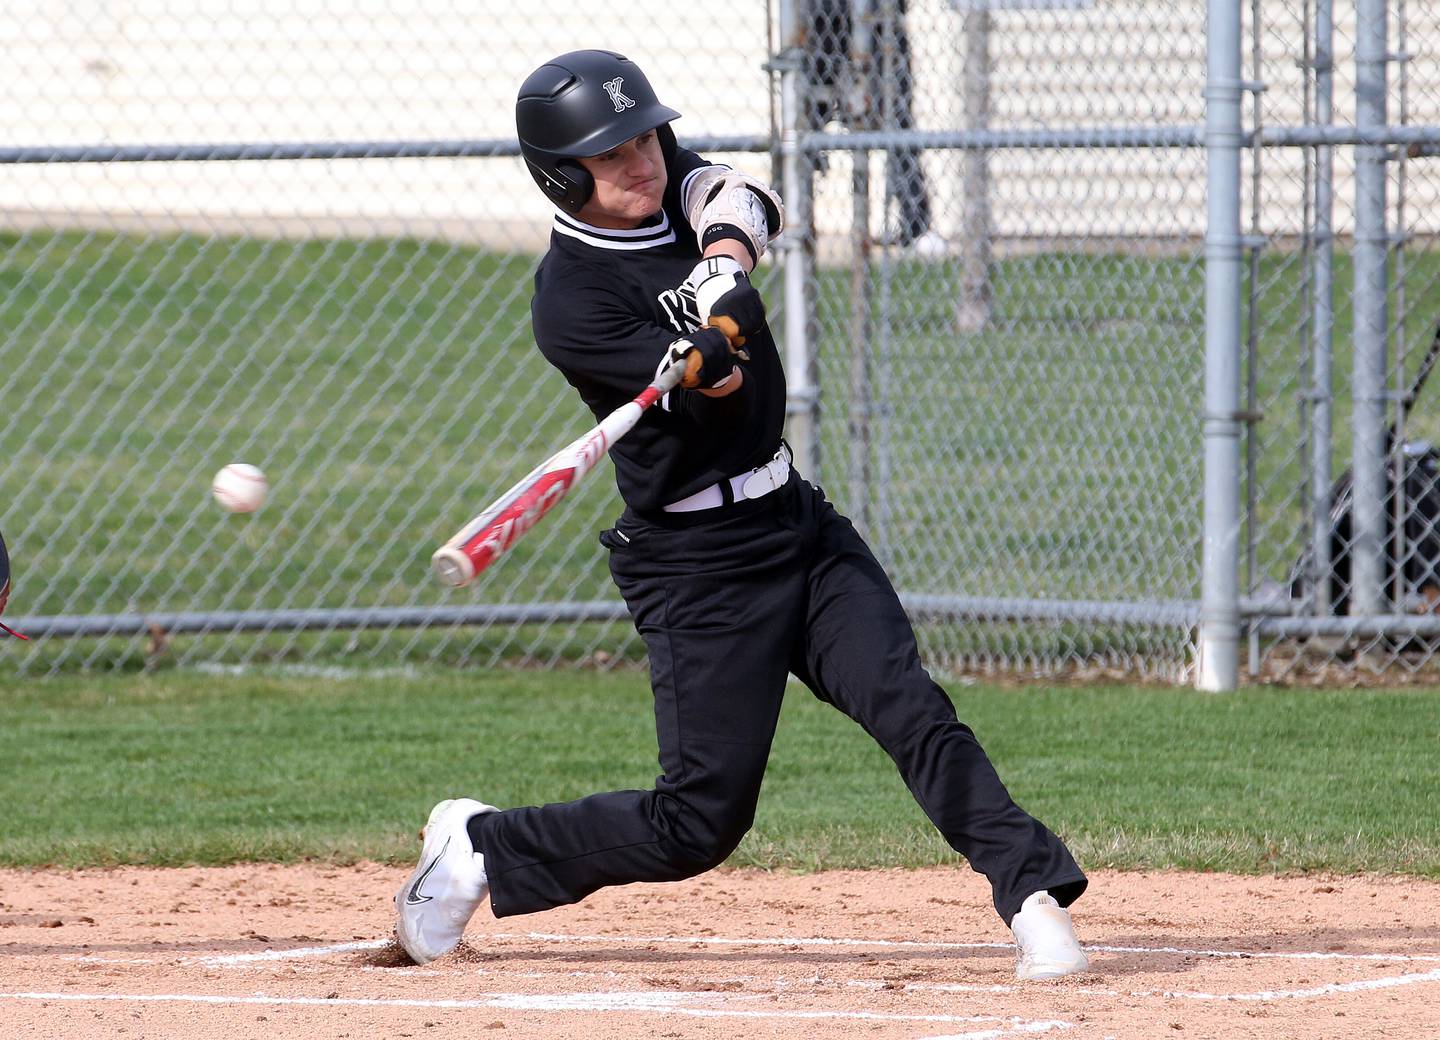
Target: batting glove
x,y
725,299
709,358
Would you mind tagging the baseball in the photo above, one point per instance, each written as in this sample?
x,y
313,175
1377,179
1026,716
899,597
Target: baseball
x,y
239,488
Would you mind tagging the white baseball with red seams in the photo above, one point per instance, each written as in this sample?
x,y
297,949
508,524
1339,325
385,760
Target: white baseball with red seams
x,y
240,488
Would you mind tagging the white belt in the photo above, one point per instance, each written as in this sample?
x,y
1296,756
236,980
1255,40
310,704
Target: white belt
x,y
755,483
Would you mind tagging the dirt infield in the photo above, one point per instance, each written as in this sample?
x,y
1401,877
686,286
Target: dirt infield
x,y
303,952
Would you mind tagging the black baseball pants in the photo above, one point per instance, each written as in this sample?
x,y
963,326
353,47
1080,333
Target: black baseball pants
x,y
729,601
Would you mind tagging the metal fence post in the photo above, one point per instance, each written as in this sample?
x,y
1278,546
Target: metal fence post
x,y
973,311
1367,571
1219,635
1324,312
856,102
797,186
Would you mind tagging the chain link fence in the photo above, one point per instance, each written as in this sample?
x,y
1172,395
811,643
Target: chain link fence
x,y
1009,336
299,236
1335,341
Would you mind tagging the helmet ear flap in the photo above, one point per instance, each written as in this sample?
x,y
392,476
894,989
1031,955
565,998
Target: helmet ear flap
x,y
668,144
569,186
582,184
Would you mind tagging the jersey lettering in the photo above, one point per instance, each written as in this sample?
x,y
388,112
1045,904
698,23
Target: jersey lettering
x,y
681,311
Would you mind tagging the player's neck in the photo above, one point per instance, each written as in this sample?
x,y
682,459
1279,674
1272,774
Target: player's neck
x,y
611,222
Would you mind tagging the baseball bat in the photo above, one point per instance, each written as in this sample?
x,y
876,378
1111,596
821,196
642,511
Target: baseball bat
x,y
506,520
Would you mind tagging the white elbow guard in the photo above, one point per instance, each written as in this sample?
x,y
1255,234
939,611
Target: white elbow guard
x,y
721,203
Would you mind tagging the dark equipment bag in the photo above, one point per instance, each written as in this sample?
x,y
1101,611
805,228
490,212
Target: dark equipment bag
x,y
1414,556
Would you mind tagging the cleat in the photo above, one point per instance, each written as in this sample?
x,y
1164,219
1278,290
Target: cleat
x,y
446,888
1045,940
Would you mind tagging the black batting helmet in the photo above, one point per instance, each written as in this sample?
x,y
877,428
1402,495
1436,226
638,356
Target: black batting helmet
x,y
579,104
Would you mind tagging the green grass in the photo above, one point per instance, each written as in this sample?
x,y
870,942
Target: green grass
x,y
185,768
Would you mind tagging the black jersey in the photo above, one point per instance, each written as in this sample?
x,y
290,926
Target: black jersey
x,y
607,306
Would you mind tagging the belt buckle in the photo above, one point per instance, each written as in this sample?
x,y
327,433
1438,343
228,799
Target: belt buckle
x,y
766,479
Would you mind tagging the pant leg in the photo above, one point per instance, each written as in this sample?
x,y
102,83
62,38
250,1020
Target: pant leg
x,y
827,59
858,652
904,172
905,180
717,606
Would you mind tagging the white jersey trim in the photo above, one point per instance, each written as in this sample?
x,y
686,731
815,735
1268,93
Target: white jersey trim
x,y
664,401
647,237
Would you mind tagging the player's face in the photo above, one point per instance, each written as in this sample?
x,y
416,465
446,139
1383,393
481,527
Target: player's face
x,y
629,183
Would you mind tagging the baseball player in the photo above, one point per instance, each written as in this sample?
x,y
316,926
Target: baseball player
x,y
736,570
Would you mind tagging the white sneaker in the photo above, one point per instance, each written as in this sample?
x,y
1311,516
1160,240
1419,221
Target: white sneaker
x,y
1047,947
439,898
930,246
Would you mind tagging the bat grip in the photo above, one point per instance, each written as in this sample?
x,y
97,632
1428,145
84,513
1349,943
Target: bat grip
x,y
668,378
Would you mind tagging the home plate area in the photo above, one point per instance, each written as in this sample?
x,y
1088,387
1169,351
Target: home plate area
x,y
305,951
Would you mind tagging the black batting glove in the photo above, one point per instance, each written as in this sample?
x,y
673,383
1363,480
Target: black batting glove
x,y
709,357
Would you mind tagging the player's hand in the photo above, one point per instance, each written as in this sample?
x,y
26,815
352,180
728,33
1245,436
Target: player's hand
x,y
709,358
725,299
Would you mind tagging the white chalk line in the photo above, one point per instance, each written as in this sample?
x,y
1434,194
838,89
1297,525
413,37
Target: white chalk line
x,y
1296,955
1328,989
668,1002
553,937
282,955
920,945
706,940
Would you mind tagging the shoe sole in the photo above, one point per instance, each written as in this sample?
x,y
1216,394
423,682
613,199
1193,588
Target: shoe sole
x,y
1051,970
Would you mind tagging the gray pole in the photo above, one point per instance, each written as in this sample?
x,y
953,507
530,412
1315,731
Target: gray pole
x,y
1324,313
886,62
1252,325
1219,636
1399,505
857,100
973,311
803,405
1367,569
